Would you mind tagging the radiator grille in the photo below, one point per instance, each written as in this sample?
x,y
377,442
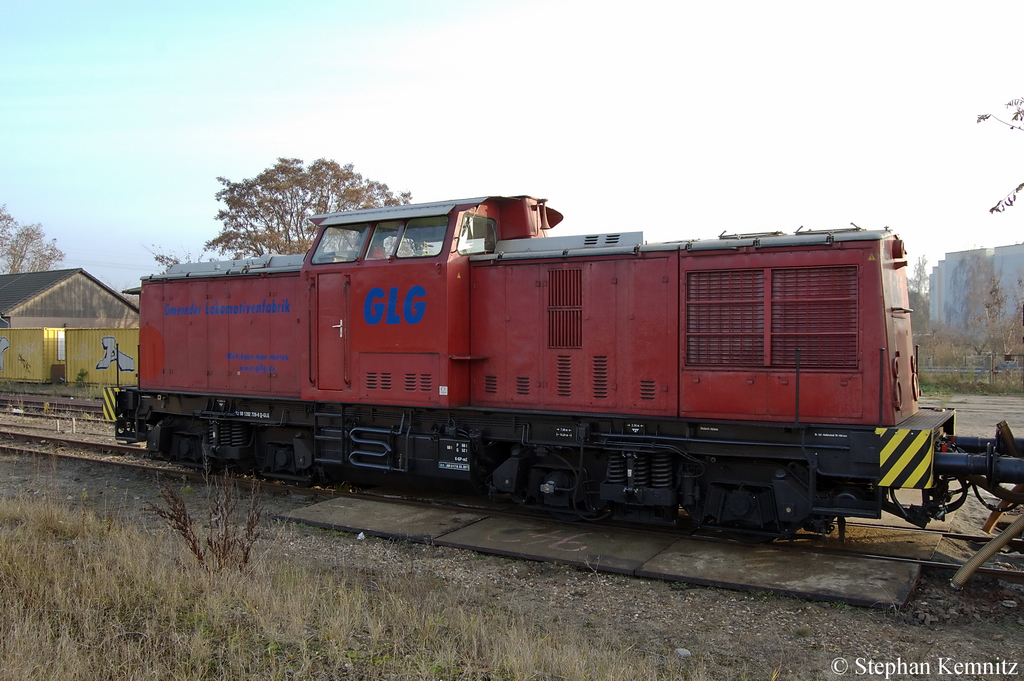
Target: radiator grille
x,y
491,384
725,317
731,284
741,350
810,309
565,308
522,385
814,310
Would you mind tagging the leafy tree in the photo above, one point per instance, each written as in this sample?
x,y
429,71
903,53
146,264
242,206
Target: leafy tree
x,y
269,213
24,248
1016,122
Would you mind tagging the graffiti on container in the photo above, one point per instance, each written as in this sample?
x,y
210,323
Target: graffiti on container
x,y
113,355
30,350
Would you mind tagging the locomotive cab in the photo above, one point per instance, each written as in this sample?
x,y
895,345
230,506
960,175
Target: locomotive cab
x,y
389,294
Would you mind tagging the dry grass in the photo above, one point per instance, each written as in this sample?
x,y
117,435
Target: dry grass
x,y
90,598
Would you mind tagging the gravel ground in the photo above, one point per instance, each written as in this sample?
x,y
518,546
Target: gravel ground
x,y
729,634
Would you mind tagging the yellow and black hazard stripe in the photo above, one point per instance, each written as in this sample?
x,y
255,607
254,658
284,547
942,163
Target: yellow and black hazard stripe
x,y
110,403
905,458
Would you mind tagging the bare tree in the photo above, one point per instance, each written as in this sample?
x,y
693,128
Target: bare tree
x,y
920,301
24,248
1016,122
167,259
986,308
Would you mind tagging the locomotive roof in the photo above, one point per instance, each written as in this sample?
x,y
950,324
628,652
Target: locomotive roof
x,y
264,263
412,210
612,243
632,242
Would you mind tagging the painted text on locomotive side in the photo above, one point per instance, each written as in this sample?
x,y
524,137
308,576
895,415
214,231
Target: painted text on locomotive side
x,y
384,306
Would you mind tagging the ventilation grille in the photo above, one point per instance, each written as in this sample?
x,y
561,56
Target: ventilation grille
x,y
599,377
421,382
602,239
378,380
564,371
648,390
491,384
522,385
565,308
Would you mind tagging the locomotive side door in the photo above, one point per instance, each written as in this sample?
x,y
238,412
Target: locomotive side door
x,y
333,347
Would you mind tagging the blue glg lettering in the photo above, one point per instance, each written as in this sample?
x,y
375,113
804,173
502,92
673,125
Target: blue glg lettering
x,y
413,306
372,310
392,317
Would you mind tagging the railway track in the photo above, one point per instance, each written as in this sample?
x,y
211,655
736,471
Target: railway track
x,y
133,457
42,405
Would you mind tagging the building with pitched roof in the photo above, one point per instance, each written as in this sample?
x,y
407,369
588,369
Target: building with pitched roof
x,y
62,298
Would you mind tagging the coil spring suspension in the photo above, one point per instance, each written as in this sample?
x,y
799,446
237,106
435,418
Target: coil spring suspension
x,y
641,470
239,435
617,469
227,433
661,470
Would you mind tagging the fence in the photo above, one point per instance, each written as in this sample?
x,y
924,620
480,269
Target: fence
x,y
1009,374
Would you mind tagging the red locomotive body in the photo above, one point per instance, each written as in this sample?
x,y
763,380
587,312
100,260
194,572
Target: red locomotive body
x,y
722,330
220,331
762,383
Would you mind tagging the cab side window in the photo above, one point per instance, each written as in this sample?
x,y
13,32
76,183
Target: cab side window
x,y
385,238
341,244
423,237
478,235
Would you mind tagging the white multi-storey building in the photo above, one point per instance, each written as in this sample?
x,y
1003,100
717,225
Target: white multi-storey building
x,y
962,281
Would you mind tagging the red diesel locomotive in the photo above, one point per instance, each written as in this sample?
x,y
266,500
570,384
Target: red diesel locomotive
x,y
762,383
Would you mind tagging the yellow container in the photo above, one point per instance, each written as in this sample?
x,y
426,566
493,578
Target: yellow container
x,y
102,356
26,354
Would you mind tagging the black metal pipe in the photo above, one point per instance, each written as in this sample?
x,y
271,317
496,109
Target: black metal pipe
x,y
998,469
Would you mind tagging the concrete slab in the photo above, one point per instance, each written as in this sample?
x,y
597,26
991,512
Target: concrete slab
x,y
383,519
580,544
790,571
880,540
849,579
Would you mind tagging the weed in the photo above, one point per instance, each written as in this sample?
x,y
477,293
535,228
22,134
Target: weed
x,y
226,544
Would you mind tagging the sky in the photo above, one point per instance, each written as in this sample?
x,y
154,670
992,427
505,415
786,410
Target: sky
x,y
679,119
